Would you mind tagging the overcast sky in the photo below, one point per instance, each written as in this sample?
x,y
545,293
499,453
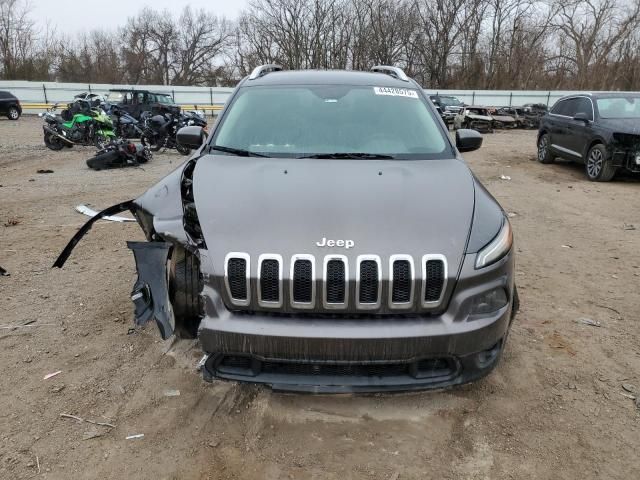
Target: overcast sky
x,y
73,16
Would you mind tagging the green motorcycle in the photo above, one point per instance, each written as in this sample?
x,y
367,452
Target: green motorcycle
x,y
91,127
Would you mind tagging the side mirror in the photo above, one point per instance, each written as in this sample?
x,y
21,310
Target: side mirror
x,y
191,137
468,140
582,117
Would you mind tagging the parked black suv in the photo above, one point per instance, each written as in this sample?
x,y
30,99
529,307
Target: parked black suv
x,y
10,105
134,102
600,130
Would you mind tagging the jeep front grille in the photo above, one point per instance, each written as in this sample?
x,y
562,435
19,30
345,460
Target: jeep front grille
x,y
433,278
379,286
270,280
402,280
368,278
237,277
335,282
303,283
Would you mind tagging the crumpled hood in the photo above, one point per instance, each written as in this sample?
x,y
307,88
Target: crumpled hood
x,y
286,206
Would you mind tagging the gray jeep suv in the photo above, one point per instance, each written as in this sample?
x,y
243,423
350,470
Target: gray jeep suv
x,y
327,237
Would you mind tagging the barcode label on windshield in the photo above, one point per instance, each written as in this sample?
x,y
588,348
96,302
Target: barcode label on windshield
x,y
396,92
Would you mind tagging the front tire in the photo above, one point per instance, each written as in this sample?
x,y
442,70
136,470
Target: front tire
x,y
14,114
184,292
183,150
544,150
598,166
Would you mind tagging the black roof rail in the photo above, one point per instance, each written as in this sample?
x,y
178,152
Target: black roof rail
x,y
396,72
263,70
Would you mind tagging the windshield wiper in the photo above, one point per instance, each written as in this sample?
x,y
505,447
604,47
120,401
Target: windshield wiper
x,y
357,155
237,151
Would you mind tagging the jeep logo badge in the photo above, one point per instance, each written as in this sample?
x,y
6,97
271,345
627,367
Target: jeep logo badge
x,y
336,243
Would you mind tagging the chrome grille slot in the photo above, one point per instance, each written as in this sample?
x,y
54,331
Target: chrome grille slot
x,y
402,278
303,281
368,278
270,280
336,274
434,279
236,277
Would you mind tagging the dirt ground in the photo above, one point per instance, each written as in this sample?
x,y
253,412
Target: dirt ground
x,y
554,408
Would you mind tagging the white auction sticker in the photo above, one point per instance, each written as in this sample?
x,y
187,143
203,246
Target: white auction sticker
x,y
395,92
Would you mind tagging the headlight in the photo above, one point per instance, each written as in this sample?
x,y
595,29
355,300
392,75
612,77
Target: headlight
x,y
489,302
497,248
638,159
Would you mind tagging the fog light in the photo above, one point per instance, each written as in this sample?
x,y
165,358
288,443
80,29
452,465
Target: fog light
x,y
638,159
489,302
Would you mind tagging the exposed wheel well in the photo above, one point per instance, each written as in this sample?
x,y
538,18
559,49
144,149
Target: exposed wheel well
x,y
540,134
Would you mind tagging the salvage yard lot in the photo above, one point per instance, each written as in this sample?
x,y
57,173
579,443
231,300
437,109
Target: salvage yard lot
x,y
554,408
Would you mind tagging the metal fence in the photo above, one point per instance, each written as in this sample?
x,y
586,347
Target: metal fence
x,y
52,92
35,94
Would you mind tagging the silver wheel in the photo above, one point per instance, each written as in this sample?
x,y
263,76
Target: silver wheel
x,y
544,152
598,166
594,163
13,113
542,148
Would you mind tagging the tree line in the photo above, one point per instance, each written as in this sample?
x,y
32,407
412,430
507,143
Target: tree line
x,y
479,44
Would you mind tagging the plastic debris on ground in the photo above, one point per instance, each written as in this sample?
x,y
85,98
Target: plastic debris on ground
x,y
89,212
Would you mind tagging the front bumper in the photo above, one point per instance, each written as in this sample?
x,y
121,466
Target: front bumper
x,y
333,355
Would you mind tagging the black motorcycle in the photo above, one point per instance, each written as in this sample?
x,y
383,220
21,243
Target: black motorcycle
x,y
120,154
124,125
160,130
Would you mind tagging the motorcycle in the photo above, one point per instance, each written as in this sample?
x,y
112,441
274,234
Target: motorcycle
x,y
125,125
92,127
160,130
119,154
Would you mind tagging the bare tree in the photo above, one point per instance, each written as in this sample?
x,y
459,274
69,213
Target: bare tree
x,y
593,30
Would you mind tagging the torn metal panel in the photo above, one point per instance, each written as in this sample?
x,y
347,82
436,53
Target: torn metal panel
x,y
118,208
150,293
160,211
92,213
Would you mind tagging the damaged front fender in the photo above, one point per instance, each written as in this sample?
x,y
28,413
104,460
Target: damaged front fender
x,y
160,214
150,293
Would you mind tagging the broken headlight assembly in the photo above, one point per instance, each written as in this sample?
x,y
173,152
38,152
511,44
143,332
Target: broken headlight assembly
x,y
496,248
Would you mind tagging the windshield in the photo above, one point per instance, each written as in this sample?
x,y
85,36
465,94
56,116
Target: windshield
x,y
164,99
450,101
297,121
115,97
619,107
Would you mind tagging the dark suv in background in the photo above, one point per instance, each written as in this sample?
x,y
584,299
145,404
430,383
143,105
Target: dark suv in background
x,y
10,105
134,102
447,105
601,130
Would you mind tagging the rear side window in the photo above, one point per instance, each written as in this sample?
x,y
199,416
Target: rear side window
x,y
4,95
